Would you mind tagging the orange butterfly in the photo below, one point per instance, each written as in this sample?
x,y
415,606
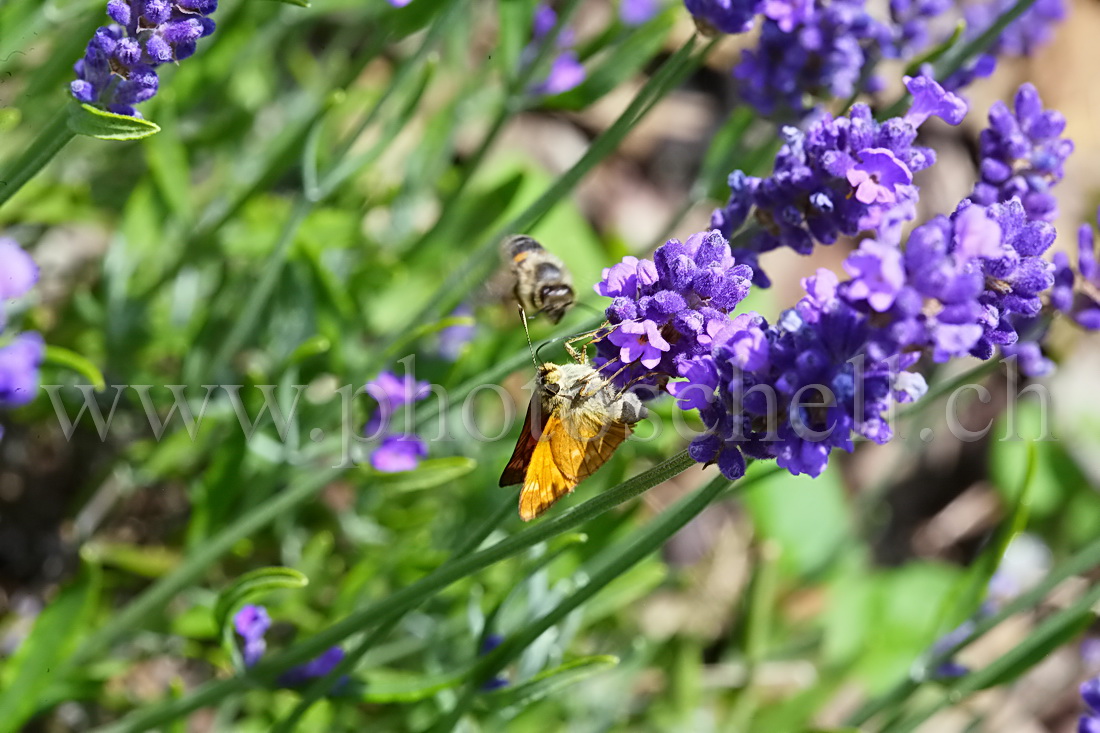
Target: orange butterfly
x,y
574,423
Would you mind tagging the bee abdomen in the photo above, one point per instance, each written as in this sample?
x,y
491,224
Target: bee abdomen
x,y
518,246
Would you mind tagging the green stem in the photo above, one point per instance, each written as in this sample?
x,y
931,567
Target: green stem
x,y
1085,560
608,567
161,592
455,287
1051,630
49,143
406,599
320,687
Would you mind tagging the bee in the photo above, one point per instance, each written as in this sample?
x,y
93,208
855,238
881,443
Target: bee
x,y
574,423
543,284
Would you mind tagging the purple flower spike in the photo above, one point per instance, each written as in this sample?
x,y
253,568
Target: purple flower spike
x,y
806,52
19,363
808,198
723,16
313,669
398,453
932,100
118,68
1023,155
251,624
565,73
638,12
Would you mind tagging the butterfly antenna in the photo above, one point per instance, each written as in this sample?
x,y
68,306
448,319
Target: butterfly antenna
x,y
523,317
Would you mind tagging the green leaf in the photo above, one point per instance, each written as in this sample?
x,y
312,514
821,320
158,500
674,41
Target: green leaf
x,y
299,3
429,474
254,583
58,356
1038,645
147,561
85,119
386,686
549,682
32,670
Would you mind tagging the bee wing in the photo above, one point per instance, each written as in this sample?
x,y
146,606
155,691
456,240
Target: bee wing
x,y
516,470
572,450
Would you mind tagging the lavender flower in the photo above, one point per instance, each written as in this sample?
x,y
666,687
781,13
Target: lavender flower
x,y
566,71
1020,38
911,22
842,176
315,668
491,642
664,312
251,624
723,16
21,354
1090,693
453,339
118,68
815,50
1023,155
796,390
1077,293
397,451
638,12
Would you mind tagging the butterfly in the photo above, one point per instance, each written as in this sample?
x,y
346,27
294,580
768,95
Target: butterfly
x,y
574,423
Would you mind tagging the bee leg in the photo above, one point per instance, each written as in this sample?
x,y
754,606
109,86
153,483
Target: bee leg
x,y
581,357
609,380
637,379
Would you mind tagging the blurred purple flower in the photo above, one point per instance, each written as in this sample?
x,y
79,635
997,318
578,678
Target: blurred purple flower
x,y
18,271
315,668
252,623
453,339
398,453
565,73
491,642
637,12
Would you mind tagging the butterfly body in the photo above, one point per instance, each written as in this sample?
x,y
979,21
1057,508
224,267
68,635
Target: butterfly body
x,y
543,283
574,423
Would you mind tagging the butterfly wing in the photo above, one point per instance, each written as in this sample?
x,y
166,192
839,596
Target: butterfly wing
x,y
571,449
516,470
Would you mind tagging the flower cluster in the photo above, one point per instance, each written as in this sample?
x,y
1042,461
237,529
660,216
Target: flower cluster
x,y
21,354
1090,693
665,311
1022,155
911,23
119,65
818,51
398,451
842,176
1077,293
797,389
836,365
815,50
1019,38
251,624
566,72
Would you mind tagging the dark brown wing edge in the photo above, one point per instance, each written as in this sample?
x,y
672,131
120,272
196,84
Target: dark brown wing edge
x,y
516,470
